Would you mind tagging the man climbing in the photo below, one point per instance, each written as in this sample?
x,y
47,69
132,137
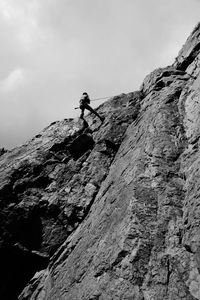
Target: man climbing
x,y
84,104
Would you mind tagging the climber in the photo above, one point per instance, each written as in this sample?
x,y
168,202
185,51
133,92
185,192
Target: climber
x,y
84,104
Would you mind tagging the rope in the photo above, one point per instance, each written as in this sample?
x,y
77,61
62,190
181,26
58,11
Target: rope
x,y
101,98
96,99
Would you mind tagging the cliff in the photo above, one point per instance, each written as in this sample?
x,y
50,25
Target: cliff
x,y
109,211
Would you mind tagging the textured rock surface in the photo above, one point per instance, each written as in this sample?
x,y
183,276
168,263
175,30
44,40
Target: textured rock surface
x,y
111,211
48,186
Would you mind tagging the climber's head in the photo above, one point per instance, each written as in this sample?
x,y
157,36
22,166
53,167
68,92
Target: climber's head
x,y
86,94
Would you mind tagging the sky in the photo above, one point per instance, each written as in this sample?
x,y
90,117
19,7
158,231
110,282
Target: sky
x,y
54,50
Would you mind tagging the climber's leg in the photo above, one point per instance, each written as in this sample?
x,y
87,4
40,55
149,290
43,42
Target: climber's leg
x,y
82,112
88,107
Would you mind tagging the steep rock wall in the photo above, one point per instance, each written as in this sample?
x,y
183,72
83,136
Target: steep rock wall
x,y
114,210
48,185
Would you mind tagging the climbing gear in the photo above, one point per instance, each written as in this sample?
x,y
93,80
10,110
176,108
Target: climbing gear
x,y
97,99
84,99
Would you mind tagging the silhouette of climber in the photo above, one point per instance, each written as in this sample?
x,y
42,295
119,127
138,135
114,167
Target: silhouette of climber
x,y
84,104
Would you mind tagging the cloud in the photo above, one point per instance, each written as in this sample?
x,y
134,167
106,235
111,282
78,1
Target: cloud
x,y
13,80
53,50
22,18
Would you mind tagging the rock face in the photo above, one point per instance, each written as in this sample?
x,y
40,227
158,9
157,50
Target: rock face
x,y
2,151
109,211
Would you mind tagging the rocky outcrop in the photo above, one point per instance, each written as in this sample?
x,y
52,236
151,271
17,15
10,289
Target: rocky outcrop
x,y
110,211
48,186
2,151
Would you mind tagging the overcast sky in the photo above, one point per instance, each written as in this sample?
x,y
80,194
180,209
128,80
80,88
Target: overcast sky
x,y
53,50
